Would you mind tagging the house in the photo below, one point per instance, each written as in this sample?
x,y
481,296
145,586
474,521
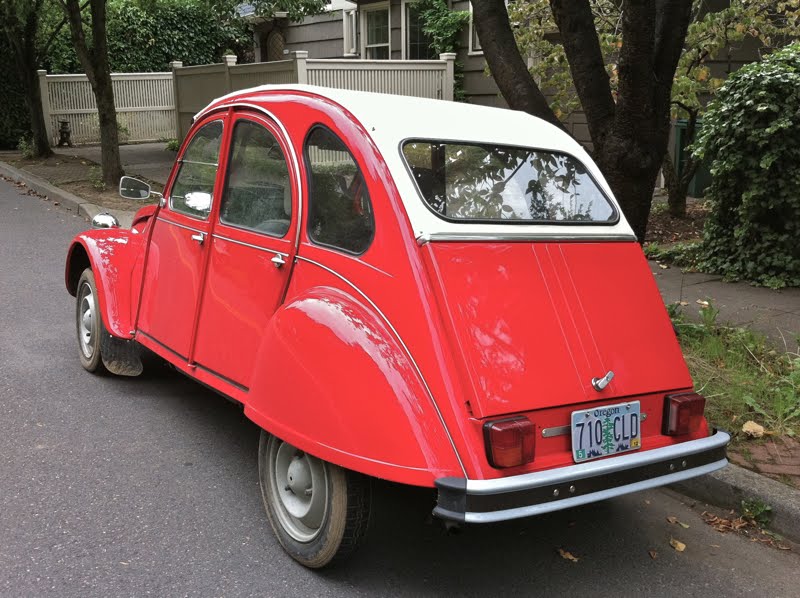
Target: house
x,y
391,30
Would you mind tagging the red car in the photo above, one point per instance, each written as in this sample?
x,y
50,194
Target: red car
x,y
432,293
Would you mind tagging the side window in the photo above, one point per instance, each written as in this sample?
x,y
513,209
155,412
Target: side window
x,y
340,211
258,192
193,189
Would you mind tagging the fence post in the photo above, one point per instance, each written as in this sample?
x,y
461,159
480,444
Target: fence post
x,y
174,66
228,60
301,66
449,75
44,92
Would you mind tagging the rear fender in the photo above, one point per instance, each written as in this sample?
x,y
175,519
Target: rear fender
x,y
336,383
115,256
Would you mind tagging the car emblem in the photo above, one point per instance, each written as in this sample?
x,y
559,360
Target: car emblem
x,y
600,383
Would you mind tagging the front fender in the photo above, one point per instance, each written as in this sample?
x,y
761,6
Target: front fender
x,y
115,256
335,382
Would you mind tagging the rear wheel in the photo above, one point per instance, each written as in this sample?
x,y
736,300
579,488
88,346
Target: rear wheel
x,y
318,511
89,323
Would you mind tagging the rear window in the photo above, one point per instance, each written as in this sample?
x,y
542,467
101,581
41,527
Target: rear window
x,y
494,183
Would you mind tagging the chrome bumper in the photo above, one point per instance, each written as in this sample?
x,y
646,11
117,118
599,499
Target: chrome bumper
x,y
486,501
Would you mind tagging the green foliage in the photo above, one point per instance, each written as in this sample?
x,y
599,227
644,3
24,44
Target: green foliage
x,y
710,34
741,375
685,254
96,178
147,36
443,26
173,145
25,147
757,511
750,140
14,116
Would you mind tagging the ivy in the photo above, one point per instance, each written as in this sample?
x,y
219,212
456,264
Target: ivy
x,y
749,138
443,27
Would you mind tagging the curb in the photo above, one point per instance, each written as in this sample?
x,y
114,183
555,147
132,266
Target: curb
x,y
67,200
729,486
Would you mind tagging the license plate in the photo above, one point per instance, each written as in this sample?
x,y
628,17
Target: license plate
x,y
607,430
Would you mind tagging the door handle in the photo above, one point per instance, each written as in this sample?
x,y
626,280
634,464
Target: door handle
x,y
278,260
199,237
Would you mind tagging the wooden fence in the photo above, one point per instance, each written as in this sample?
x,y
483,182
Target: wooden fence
x,y
145,106
153,106
196,86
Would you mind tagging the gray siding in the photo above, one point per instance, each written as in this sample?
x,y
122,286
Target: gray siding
x,y
322,36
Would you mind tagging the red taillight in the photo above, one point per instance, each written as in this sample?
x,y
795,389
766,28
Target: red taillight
x,y
683,413
509,442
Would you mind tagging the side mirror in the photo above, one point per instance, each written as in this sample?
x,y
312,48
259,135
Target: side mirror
x,y
131,188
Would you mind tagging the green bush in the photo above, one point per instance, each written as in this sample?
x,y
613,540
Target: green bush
x,y
750,138
14,118
146,37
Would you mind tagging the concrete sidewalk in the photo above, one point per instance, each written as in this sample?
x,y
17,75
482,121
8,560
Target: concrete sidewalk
x,y
775,313
147,160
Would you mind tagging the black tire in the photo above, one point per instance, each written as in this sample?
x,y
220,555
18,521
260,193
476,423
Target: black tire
x,y
318,538
89,324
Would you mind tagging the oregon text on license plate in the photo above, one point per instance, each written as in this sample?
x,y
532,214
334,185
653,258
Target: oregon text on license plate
x,y
606,430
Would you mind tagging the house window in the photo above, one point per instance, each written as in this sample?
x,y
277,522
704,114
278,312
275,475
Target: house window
x,y
350,33
375,32
474,42
418,44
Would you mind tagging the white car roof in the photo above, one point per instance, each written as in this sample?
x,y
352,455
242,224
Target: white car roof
x,y
391,119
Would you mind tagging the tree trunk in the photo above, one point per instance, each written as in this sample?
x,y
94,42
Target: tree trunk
x,y
33,100
631,165
94,61
630,134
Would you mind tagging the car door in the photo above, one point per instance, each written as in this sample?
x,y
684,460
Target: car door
x,y
178,247
252,250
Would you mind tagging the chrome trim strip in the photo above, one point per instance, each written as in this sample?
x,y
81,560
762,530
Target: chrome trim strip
x,y
182,161
521,236
405,348
194,230
590,469
229,240
566,503
555,431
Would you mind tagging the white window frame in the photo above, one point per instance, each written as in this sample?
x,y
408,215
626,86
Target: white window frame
x,y
350,32
473,35
367,8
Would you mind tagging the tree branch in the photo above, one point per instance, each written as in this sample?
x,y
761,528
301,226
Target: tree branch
x,y
510,72
578,35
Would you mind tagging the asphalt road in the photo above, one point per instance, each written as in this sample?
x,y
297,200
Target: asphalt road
x,y
149,487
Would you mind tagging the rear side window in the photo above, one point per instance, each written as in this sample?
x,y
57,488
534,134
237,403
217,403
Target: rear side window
x,y
505,184
340,210
193,190
258,192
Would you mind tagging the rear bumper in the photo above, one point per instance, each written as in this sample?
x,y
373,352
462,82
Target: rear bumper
x,y
486,501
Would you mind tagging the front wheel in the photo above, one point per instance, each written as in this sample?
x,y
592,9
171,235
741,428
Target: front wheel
x,y
318,511
89,323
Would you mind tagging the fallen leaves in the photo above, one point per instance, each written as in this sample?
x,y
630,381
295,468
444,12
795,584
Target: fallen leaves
x,y
674,520
746,527
677,544
567,556
653,554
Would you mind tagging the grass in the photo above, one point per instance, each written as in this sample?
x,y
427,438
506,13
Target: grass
x,y
740,374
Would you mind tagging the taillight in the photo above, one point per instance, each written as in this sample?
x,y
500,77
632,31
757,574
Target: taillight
x,y
683,413
509,442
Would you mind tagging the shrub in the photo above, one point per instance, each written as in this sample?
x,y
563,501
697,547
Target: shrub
x,y
749,138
